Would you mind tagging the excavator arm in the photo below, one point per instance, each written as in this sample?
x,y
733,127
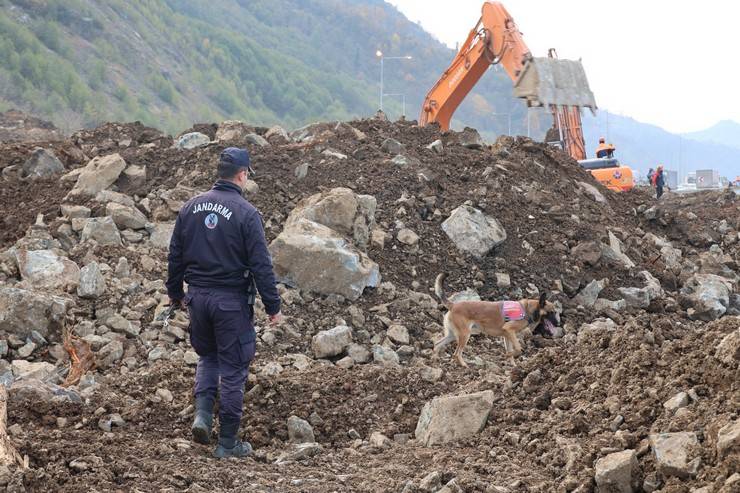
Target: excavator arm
x,y
494,39
559,85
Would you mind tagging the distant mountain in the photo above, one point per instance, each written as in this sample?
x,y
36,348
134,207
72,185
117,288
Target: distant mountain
x,y
726,132
643,146
169,63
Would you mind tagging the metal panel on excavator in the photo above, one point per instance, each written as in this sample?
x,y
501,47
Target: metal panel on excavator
x,y
545,81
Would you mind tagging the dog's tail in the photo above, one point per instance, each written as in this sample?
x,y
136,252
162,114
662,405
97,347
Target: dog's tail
x,y
439,290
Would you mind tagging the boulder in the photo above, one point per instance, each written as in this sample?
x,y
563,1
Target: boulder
x,y
616,472
592,192
728,350
107,196
314,258
407,237
437,146
398,334
100,173
595,329
449,418
331,342
676,402
587,252
22,312
257,140
277,135
503,280
42,163
92,282
337,209
44,269
26,370
392,146
33,390
707,296
472,231
676,454
132,178
635,297
192,140
614,252
300,431
358,353
161,235
470,138
233,131
109,354
102,230
125,216
75,211
588,295
728,438
385,356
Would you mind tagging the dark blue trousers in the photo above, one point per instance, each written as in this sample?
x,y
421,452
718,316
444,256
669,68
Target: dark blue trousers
x,y
222,333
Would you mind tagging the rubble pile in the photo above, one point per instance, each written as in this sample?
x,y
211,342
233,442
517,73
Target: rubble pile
x,y
636,390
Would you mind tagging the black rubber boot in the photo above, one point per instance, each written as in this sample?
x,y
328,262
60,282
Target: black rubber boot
x,y
228,443
203,421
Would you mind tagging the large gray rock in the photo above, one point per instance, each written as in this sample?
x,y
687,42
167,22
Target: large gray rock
x,y
256,140
92,282
42,163
192,140
635,297
108,196
708,296
592,191
338,209
615,252
676,454
616,471
331,342
392,146
161,235
588,295
314,258
33,390
22,312
470,138
300,431
385,356
26,370
44,269
101,230
449,418
100,173
125,216
472,231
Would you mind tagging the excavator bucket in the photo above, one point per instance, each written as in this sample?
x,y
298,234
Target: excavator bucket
x,y
550,81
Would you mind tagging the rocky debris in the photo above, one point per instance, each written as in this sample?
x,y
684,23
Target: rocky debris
x,y
23,311
125,216
44,269
30,388
16,126
616,472
472,231
109,354
385,356
92,282
392,146
299,452
614,252
233,131
112,420
449,418
407,237
300,431
161,235
676,453
102,230
277,135
595,330
42,163
358,353
437,146
592,192
25,370
728,350
192,140
100,173
676,402
588,295
332,342
706,297
470,138
132,178
86,463
398,334
728,438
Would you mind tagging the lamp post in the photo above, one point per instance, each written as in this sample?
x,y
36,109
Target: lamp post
x,y
403,99
508,115
380,55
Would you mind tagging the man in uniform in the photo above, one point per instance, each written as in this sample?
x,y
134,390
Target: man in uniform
x,y
218,247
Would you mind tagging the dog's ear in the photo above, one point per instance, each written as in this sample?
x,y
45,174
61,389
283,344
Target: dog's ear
x,y
543,299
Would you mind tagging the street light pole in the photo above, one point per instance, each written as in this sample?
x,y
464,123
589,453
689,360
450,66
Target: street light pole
x,y
379,54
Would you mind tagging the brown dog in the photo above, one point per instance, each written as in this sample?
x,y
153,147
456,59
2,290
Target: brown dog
x,y
493,318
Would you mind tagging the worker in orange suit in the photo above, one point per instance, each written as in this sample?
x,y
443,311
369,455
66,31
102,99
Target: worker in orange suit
x,y
603,149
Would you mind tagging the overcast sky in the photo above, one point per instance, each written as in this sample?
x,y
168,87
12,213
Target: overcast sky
x,y
671,63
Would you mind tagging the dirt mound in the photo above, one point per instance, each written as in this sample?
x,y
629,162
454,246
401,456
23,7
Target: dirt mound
x,y
569,400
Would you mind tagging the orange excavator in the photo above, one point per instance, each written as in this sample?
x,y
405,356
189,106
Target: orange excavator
x,y
558,85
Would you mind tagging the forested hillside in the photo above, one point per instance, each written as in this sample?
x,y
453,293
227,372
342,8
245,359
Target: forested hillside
x,y
171,62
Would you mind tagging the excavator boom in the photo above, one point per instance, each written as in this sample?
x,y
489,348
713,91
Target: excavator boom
x,y
559,85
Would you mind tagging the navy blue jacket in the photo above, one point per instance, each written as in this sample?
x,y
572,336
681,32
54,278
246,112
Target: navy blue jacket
x,y
660,180
218,237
